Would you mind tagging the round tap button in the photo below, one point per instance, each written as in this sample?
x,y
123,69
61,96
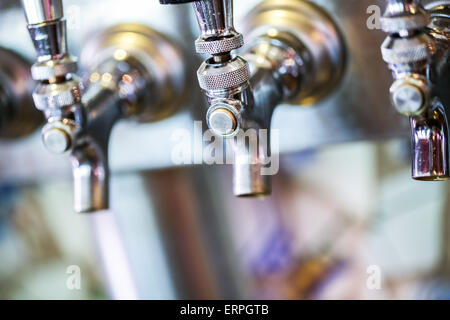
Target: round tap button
x,y
222,122
410,95
56,140
408,99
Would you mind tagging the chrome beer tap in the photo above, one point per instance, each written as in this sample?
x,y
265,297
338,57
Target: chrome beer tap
x,y
58,93
296,59
417,52
132,71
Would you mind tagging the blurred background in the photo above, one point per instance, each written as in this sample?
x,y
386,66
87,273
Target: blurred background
x,y
343,204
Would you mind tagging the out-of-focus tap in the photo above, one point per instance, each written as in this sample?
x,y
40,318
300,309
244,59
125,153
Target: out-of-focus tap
x,y
417,51
18,117
295,54
131,71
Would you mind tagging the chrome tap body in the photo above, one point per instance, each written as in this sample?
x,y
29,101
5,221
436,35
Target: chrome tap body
x,y
417,52
131,71
282,63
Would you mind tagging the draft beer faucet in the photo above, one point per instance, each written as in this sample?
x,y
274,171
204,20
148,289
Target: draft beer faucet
x,y
417,51
132,71
294,54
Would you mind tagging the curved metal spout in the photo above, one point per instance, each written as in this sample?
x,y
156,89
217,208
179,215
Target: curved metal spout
x,y
252,164
90,156
90,178
253,161
430,146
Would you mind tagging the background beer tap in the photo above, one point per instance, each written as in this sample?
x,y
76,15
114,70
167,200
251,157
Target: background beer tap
x,y
417,52
283,62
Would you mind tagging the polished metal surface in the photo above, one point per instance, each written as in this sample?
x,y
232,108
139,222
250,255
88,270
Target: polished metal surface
x,y
39,11
220,76
430,137
49,40
219,46
249,180
215,17
161,57
319,43
401,16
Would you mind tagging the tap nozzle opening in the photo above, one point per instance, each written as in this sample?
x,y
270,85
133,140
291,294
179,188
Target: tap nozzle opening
x,y
430,146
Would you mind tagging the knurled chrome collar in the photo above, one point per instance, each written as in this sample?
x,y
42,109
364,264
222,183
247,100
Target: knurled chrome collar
x,y
406,22
223,76
223,45
407,50
57,95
